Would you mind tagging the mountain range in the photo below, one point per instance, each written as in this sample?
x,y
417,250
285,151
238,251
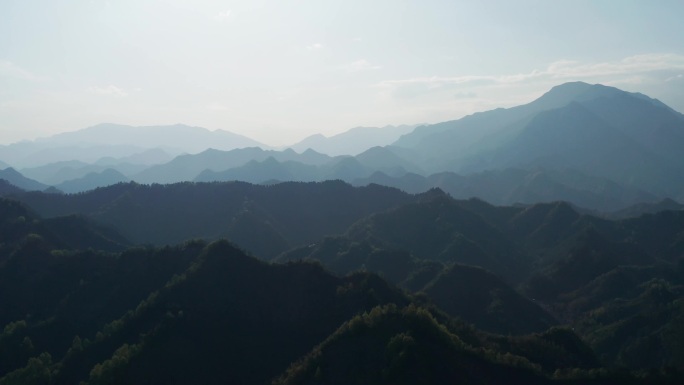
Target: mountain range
x,y
353,141
597,130
114,286
595,146
539,244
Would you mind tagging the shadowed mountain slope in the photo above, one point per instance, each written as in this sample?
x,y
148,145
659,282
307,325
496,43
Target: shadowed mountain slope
x,y
293,213
17,179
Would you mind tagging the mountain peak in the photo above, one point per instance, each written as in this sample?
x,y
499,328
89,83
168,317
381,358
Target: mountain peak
x,y
566,93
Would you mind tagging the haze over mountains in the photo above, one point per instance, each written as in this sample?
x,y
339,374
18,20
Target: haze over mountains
x,y
540,244
354,141
595,146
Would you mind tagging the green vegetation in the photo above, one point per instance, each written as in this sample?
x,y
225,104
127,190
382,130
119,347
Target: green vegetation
x,y
404,289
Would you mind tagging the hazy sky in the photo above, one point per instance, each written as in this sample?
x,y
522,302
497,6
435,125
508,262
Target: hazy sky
x,y
278,71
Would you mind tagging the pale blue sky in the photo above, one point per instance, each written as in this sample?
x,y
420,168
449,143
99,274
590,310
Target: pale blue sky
x,y
278,71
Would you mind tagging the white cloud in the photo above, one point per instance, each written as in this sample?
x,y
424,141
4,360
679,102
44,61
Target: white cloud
x,y
315,46
631,70
629,65
675,78
108,90
222,16
11,70
362,65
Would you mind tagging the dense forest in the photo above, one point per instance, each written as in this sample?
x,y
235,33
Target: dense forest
x,y
297,283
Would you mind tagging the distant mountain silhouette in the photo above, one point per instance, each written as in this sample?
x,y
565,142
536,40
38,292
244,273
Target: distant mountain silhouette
x,y
32,154
120,142
646,208
179,136
597,130
92,180
60,172
189,167
148,157
511,186
385,160
17,179
353,141
345,168
268,170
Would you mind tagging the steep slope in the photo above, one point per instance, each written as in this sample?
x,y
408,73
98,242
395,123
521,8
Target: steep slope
x,y
385,160
576,138
247,308
394,345
7,188
437,142
17,179
342,256
481,298
442,230
470,293
184,314
17,223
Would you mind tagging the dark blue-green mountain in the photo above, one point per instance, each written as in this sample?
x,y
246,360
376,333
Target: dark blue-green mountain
x,y
16,178
513,186
600,131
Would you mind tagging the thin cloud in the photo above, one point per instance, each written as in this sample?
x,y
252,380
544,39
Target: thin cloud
x,y
629,65
675,78
11,70
108,90
222,16
362,65
315,46
622,71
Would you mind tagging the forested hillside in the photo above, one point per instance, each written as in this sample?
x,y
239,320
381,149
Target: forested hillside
x,y
398,286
